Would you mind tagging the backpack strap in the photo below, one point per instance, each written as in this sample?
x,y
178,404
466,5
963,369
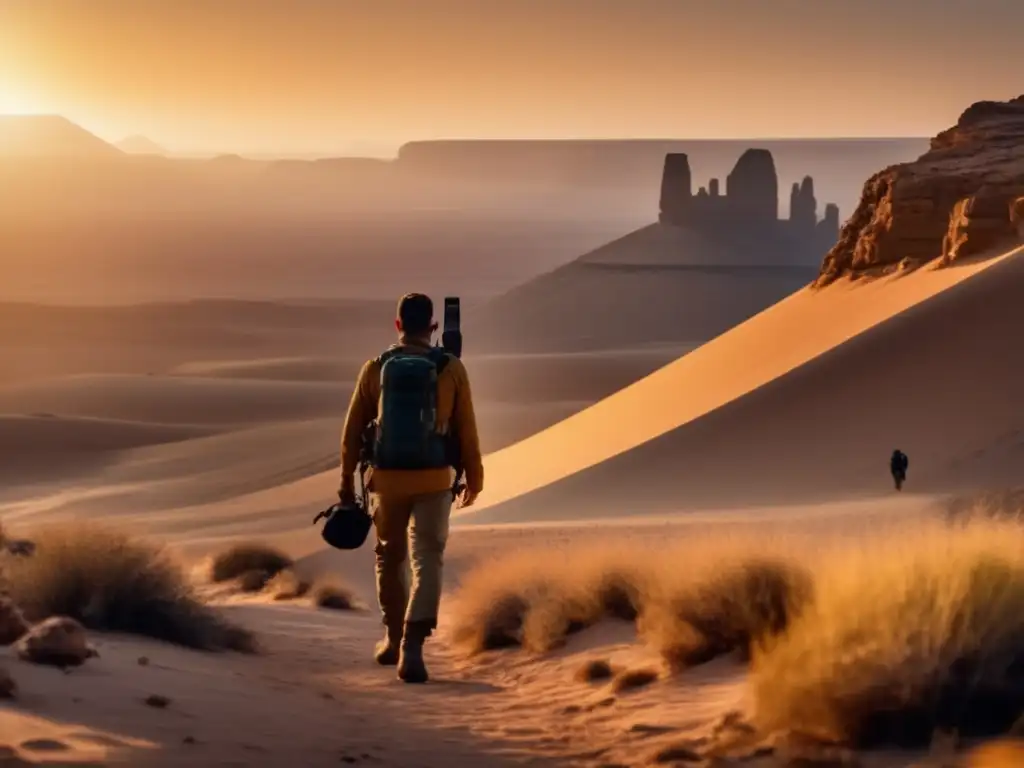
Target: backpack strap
x,y
440,358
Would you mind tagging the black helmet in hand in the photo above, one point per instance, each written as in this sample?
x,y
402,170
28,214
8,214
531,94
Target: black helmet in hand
x,y
347,525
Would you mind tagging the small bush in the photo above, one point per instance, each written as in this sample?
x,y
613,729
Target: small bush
x,y
108,581
913,635
286,585
240,559
993,505
737,609
536,599
332,594
724,598
253,581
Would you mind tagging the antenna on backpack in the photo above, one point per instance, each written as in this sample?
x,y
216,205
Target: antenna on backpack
x,y
451,336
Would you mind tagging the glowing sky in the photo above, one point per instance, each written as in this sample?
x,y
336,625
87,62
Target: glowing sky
x,y
323,75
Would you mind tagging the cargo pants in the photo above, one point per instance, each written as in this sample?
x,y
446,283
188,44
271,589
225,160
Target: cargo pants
x,y
413,528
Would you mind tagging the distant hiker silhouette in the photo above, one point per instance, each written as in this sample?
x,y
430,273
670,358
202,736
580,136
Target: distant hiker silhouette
x,y
898,466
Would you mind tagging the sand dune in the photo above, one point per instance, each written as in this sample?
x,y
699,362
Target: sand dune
x,y
180,400
40,447
864,368
742,421
657,284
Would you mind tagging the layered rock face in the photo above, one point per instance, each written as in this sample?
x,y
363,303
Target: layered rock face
x,y
961,199
749,205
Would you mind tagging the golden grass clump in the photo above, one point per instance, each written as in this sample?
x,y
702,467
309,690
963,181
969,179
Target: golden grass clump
x,y
905,636
108,581
1007,504
535,599
692,601
287,585
241,559
333,594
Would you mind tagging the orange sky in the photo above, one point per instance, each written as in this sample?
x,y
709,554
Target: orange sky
x,y
328,75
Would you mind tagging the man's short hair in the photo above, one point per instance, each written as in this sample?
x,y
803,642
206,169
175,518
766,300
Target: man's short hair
x,y
415,313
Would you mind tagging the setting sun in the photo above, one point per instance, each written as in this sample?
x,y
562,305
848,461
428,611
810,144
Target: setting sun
x,y
15,101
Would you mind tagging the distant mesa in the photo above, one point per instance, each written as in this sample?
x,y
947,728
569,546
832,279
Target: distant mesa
x,y
712,261
49,136
140,145
751,205
960,199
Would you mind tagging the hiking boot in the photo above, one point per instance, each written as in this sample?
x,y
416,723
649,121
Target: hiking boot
x,y
411,668
387,650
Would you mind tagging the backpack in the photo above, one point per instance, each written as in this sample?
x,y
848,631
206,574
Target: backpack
x,y
405,433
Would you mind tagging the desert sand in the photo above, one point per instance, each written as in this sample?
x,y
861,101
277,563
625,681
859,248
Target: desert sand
x,y
207,453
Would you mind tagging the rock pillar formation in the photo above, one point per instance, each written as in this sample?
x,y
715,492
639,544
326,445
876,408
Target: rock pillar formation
x,y
675,189
753,186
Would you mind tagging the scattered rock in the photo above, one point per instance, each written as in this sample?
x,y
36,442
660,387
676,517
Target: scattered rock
x,y
633,679
59,641
12,623
594,670
143,661
188,740
157,701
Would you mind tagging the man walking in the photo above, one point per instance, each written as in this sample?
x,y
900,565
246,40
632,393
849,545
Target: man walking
x,y
415,405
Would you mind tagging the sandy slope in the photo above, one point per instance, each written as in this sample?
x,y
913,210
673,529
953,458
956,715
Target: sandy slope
x,y
695,434
863,368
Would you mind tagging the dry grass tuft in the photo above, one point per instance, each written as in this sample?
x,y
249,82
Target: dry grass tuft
x,y
877,638
905,637
743,606
240,559
253,581
724,598
1006,504
536,599
287,585
108,581
333,594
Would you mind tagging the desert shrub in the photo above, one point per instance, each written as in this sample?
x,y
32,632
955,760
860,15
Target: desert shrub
x,y
534,599
692,601
905,637
108,581
240,559
287,585
1005,504
253,581
332,593
732,609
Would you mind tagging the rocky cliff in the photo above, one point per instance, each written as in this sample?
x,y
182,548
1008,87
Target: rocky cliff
x,y
963,198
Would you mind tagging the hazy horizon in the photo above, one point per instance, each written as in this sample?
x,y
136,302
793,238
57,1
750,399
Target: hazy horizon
x,y
315,78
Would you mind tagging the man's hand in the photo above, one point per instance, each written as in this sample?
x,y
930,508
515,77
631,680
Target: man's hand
x,y
347,491
466,498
